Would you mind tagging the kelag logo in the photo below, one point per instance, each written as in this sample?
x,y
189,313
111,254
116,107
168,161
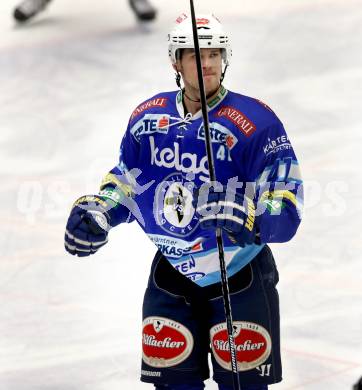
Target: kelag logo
x,y
171,158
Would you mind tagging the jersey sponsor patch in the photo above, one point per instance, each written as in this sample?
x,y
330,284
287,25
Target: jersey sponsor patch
x,y
219,134
194,276
276,145
150,124
171,158
160,102
245,125
175,247
252,341
187,268
165,343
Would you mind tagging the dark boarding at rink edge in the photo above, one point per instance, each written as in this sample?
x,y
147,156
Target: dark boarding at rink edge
x,y
161,181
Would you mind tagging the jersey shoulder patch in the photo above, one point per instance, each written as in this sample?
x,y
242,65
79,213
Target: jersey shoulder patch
x,y
158,101
238,118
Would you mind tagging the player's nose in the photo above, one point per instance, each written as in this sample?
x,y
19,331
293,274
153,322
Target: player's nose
x,y
205,62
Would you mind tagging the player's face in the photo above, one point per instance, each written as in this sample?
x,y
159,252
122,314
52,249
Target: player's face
x,y
211,62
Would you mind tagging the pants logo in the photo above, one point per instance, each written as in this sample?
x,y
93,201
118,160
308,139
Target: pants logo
x,y
158,325
252,344
264,369
166,343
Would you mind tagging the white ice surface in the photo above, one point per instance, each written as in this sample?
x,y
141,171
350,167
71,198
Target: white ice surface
x,y
68,82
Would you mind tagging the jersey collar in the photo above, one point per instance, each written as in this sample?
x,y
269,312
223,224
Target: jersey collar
x,y
211,104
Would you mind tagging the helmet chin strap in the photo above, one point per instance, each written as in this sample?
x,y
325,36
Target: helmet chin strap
x,y
178,79
223,74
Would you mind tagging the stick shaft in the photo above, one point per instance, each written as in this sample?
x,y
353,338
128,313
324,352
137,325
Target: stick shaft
x,y
219,240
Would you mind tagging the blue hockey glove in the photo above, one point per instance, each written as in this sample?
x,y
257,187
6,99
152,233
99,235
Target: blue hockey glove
x,y
88,225
230,211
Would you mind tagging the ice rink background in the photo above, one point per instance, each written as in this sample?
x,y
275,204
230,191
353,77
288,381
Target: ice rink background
x,y
68,83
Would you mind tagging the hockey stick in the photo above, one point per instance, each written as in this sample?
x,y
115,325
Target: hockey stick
x,y
219,240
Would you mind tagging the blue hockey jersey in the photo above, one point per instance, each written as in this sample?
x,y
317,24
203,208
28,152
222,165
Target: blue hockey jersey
x,y
162,158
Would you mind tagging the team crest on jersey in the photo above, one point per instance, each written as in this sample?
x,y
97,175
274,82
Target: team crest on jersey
x,y
165,342
219,134
150,124
173,208
252,342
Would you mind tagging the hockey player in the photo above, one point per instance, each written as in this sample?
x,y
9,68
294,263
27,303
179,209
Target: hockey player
x,y
162,181
26,10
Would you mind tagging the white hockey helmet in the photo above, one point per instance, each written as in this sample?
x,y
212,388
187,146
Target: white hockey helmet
x,y
210,31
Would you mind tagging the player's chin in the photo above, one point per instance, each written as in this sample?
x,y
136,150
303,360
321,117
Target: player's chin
x,y
211,85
